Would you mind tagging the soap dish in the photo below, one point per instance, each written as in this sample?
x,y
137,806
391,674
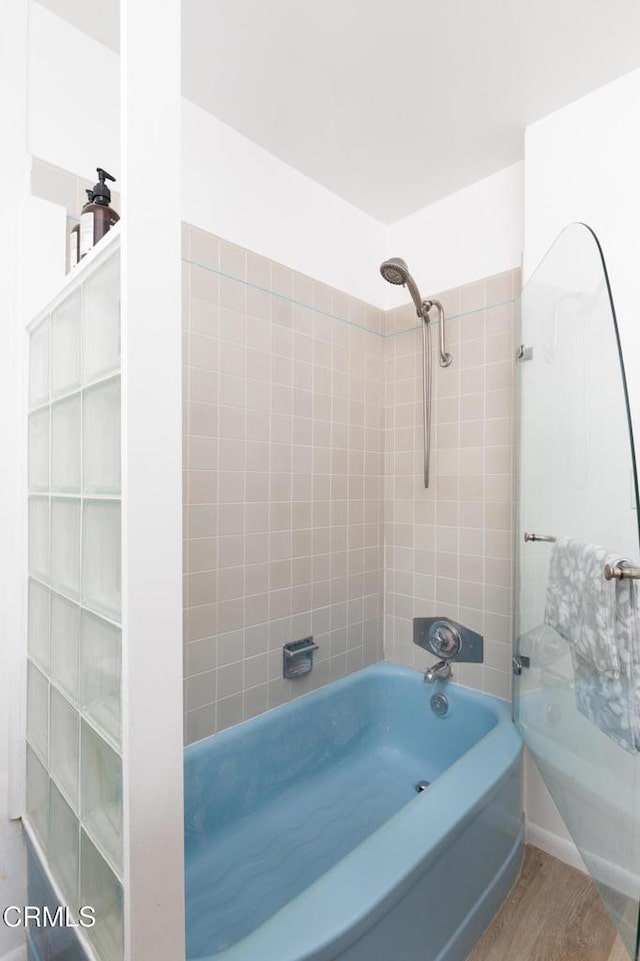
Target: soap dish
x,y
297,658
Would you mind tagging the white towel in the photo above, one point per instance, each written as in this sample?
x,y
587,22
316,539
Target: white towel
x,y
599,620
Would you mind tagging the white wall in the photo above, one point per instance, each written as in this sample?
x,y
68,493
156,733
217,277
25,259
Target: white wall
x,y
236,189
27,241
74,97
239,191
544,825
473,233
581,164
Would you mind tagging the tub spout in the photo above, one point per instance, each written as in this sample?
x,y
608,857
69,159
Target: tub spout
x,y
441,670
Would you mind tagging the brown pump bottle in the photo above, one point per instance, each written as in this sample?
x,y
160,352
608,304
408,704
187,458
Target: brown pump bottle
x,y
98,217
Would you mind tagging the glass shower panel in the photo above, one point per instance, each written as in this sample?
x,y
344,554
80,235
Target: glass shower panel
x,y
39,538
100,670
101,322
100,888
39,450
64,845
65,545
37,797
74,768
65,624
64,739
101,438
39,620
38,711
65,345
39,364
577,480
65,445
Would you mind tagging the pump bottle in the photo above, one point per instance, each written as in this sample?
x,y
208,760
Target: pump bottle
x,y
97,217
74,240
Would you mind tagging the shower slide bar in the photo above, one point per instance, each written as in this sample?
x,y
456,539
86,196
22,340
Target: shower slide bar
x,y
395,271
618,572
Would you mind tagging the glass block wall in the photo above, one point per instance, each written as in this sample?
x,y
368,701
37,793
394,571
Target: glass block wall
x,y
74,767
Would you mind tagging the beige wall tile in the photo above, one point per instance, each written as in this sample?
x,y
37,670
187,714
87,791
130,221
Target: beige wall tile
x,y
471,496
284,460
303,460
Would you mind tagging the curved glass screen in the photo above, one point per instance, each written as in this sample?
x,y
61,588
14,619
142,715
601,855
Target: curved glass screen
x,y
577,696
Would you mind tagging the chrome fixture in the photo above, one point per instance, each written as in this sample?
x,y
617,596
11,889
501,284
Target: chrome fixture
x,y
448,640
621,572
440,704
395,271
445,640
519,663
611,572
440,671
422,786
297,658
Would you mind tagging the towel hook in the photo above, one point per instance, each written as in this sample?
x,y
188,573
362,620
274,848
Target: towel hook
x,y
539,537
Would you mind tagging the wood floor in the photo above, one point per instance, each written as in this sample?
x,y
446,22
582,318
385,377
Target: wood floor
x,y
554,913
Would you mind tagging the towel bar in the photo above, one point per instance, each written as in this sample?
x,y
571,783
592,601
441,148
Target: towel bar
x,y
539,537
620,572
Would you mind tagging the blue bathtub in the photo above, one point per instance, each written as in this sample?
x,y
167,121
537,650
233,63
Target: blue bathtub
x,y
305,838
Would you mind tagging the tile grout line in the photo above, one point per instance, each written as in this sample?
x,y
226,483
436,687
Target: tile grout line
x,y
343,320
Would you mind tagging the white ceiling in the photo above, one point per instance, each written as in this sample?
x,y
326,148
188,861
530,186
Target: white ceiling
x,y
391,105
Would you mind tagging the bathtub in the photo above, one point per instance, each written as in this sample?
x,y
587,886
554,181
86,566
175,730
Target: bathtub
x,y
306,840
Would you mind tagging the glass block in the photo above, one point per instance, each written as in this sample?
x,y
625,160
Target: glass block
x,y
65,630
64,746
39,537
37,797
101,794
101,438
65,445
38,711
38,624
65,545
39,365
39,450
65,345
100,888
100,673
101,560
101,322
64,846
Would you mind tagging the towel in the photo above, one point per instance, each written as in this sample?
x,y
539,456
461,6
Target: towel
x,y
599,620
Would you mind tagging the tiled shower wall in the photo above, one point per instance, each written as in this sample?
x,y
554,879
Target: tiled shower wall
x,y
283,485
289,389
448,549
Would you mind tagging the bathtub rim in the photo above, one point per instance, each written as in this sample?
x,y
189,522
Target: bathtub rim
x,y
497,706
320,922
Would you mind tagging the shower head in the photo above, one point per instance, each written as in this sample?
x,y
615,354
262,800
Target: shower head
x,y
395,271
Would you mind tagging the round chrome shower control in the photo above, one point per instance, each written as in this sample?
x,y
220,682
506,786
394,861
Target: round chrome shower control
x,y
445,640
